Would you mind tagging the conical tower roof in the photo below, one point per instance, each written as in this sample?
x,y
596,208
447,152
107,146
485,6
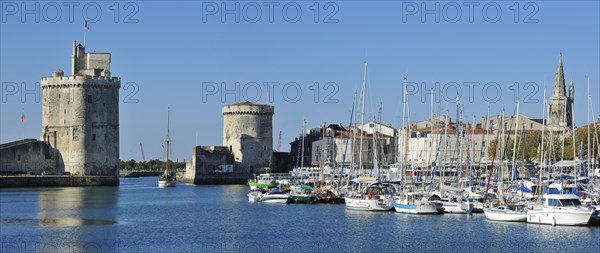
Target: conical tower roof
x,y
559,89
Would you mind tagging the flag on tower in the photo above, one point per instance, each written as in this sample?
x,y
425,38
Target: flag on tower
x,y
86,25
22,117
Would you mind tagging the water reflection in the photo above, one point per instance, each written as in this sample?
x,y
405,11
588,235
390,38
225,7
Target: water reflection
x,y
139,217
77,206
77,212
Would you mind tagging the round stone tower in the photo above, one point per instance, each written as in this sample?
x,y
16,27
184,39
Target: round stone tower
x,y
248,133
80,115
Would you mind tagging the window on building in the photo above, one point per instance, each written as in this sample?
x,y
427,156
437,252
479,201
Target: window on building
x,y
105,137
93,137
483,143
18,157
89,99
531,126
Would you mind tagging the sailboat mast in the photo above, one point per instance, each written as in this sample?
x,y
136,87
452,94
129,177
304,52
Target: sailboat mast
x,y
574,141
404,128
514,168
362,120
588,129
502,149
542,160
346,145
168,140
302,147
323,129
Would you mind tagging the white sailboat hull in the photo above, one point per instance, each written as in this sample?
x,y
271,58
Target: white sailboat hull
x,y
559,216
452,207
163,184
505,215
368,204
423,208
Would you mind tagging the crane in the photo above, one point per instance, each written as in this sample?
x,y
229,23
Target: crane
x,y
279,142
142,148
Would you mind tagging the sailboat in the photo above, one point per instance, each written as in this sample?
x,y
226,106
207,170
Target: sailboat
x,y
371,195
410,202
507,212
167,179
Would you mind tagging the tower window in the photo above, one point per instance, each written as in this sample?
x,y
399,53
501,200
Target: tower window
x,y
89,99
93,137
105,137
18,157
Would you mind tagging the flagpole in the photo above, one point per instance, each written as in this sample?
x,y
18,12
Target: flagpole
x,y
85,28
23,123
84,32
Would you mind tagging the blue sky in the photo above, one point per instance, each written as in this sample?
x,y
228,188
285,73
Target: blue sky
x,y
189,55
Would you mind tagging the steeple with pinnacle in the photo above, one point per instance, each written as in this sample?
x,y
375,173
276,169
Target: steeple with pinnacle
x,y
560,111
559,80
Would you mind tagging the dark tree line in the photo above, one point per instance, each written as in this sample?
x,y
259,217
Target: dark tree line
x,y
151,165
529,144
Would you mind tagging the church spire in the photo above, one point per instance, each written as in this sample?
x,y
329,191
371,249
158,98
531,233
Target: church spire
x,y
571,91
559,81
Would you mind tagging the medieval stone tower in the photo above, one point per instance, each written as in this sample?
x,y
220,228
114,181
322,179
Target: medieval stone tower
x,y
80,114
248,133
560,113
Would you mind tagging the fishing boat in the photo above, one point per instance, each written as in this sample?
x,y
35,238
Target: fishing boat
x,y
560,209
506,213
413,203
167,179
275,196
375,197
302,194
262,181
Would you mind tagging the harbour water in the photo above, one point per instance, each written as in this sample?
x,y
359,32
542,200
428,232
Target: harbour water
x,y
139,217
